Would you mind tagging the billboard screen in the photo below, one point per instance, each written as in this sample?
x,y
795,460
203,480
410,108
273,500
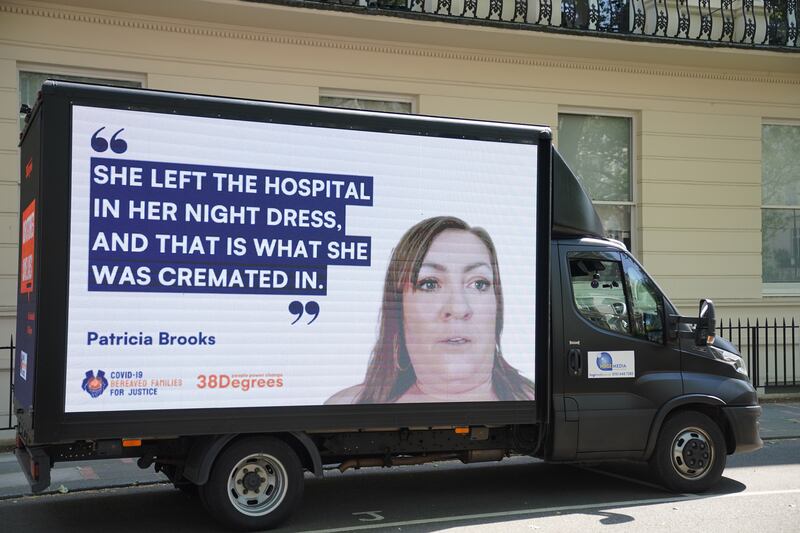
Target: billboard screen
x,y
227,263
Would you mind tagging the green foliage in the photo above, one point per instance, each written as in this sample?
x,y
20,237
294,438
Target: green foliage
x,y
597,149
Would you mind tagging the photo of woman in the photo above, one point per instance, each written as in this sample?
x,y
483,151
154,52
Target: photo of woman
x,y
440,323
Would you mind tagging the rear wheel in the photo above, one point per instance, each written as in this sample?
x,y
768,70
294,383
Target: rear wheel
x,y
690,452
254,484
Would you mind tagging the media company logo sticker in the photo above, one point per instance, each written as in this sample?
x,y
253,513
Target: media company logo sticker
x,y
620,364
95,385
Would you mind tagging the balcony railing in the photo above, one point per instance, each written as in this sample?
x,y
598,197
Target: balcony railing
x,y
768,24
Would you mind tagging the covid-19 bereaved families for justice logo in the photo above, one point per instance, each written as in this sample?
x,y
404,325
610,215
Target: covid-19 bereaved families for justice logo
x,y
95,385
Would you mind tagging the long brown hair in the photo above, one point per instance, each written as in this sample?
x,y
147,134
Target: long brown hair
x,y
390,373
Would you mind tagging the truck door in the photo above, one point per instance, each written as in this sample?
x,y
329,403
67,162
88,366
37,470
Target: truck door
x,y
619,366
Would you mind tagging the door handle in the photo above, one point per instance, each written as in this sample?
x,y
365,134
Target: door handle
x,y
574,357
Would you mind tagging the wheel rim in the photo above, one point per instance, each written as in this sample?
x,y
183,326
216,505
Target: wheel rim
x,y
257,484
692,453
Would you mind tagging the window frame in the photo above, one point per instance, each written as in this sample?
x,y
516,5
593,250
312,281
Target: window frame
x,y
775,288
621,258
61,70
56,70
660,300
606,256
369,95
635,139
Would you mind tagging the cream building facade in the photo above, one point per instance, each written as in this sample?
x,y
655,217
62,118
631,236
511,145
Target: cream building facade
x,y
696,114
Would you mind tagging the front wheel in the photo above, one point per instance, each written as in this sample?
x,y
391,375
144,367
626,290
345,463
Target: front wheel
x,y
690,452
254,484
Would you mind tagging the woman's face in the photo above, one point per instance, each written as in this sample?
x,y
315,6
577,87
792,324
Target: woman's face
x,y
450,315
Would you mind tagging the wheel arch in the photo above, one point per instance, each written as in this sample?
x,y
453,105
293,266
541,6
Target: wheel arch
x,y
709,405
305,449
205,450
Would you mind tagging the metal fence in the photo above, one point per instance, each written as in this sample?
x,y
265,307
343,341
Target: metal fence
x,y
770,349
8,420
750,23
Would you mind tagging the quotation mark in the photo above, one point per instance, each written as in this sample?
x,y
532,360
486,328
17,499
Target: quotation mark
x,y
99,144
296,308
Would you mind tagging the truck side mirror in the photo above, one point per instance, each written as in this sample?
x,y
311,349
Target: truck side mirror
x,y
706,324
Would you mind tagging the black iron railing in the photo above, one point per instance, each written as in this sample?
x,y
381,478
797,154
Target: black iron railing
x,y
9,419
770,349
751,23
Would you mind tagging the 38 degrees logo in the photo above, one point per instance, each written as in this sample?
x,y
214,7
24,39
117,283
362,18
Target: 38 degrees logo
x,y
117,145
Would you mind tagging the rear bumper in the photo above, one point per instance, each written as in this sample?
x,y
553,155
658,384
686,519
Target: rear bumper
x,y
744,425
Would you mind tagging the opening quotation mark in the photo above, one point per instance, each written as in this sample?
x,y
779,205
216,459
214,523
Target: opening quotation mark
x,y
117,145
296,309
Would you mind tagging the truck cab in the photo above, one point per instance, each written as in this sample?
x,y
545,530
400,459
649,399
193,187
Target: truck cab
x,y
632,379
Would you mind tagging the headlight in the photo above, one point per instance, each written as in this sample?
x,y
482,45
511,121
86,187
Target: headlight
x,y
731,358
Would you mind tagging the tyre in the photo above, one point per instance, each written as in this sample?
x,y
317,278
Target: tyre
x,y
690,452
188,488
254,484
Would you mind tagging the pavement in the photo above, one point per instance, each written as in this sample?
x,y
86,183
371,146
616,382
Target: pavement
x,y
779,420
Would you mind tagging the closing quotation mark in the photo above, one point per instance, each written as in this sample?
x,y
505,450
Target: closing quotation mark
x,y
311,308
117,146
